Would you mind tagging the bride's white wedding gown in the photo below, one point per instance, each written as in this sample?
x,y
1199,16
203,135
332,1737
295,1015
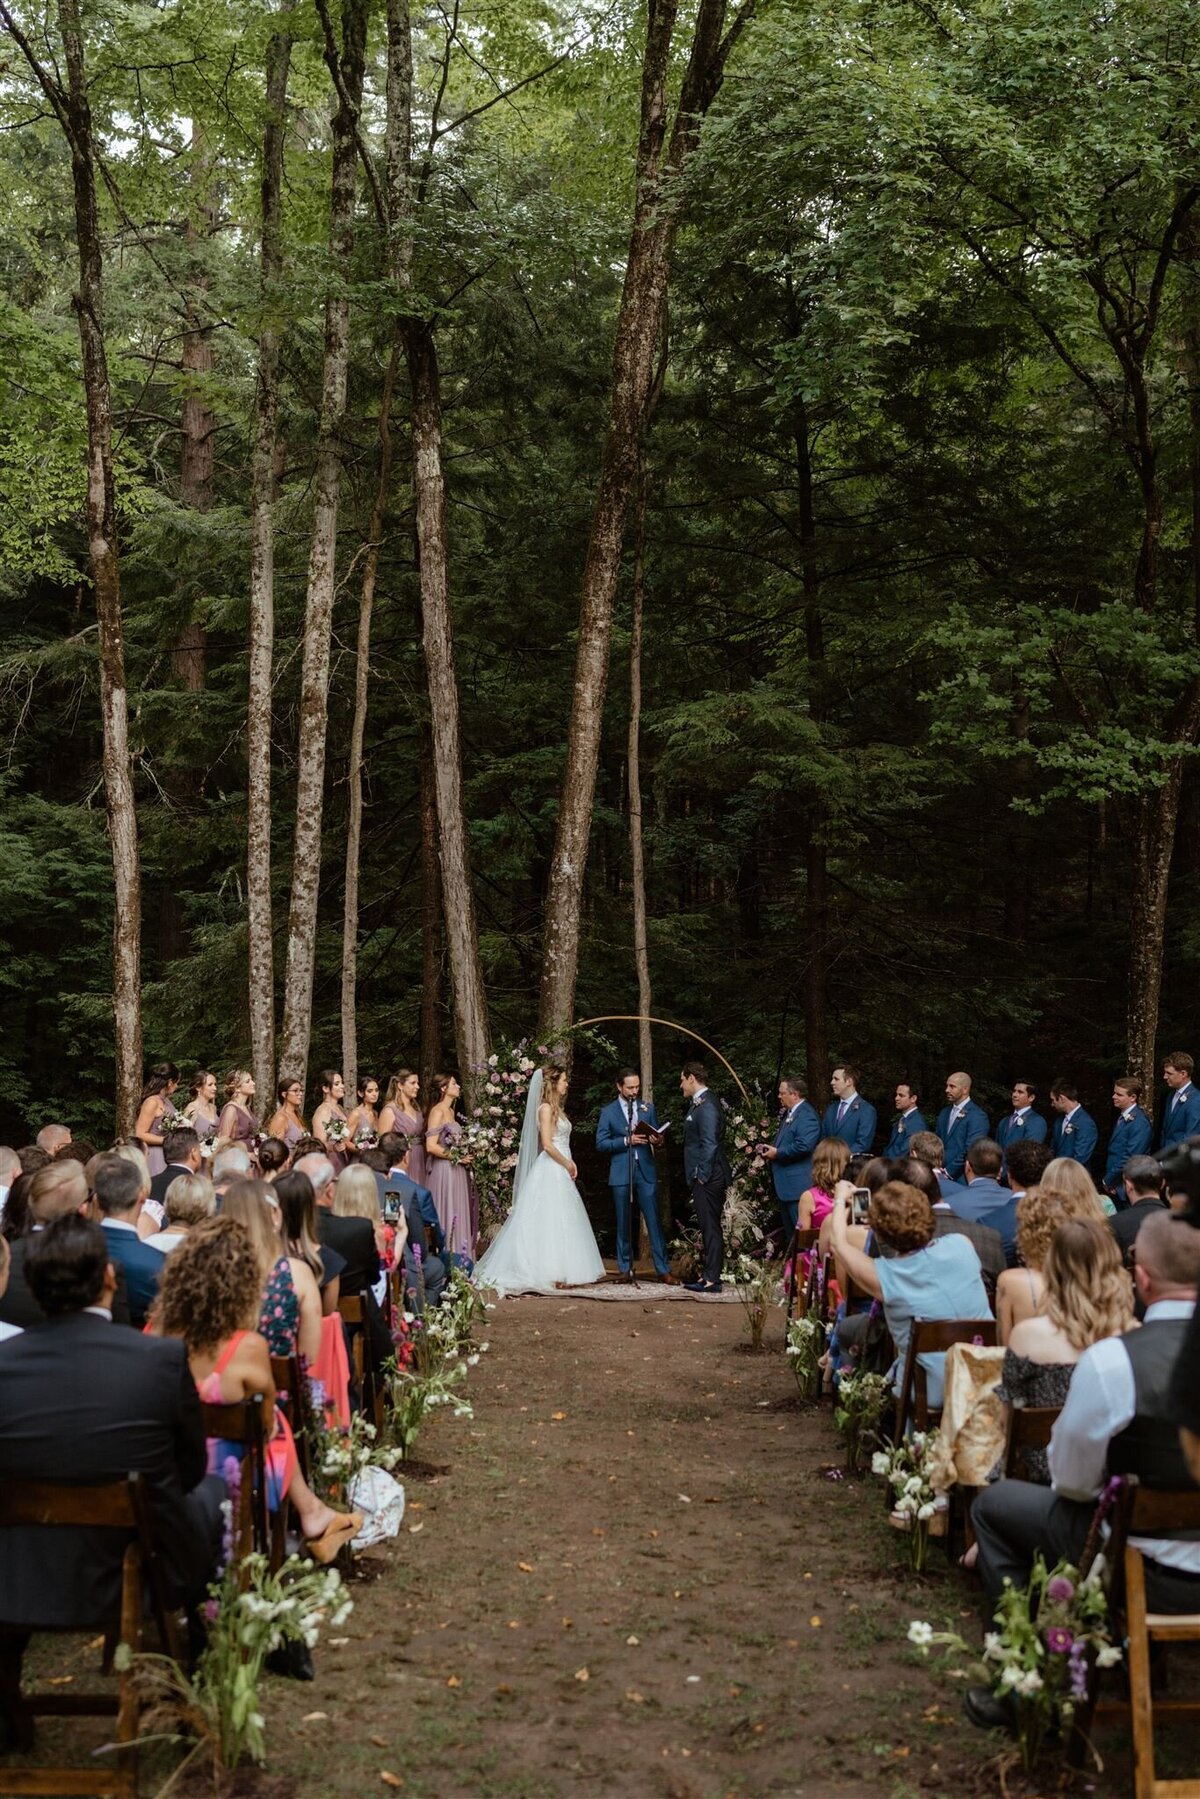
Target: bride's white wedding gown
x,y
546,1238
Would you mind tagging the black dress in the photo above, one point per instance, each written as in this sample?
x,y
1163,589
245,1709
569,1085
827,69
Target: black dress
x,y
1023,1382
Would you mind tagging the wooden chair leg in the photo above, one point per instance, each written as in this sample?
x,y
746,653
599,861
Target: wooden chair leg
x,y
14,1713
1140,1704
127,1703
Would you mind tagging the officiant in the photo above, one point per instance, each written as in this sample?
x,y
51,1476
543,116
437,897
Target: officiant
x,y
628,1133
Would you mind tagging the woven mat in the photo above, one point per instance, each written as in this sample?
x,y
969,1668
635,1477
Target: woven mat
x,y
617,1291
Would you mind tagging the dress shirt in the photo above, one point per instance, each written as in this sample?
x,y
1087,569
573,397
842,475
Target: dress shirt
x,y
120,1224
1180,1094
956,1112
1067,1116
100,1312
1100,1403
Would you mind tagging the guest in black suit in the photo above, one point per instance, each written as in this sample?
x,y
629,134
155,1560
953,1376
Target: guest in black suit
x,y
352,1238
54,1191
80,1398
182,1152
706,1169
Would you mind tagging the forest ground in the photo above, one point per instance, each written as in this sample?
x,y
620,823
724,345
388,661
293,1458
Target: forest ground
x,y
631,1574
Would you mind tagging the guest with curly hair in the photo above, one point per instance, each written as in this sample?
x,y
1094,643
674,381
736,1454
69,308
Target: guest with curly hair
x,y
211,1297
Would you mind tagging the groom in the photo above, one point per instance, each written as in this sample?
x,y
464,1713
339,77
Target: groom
x,y
705,1168
622,1135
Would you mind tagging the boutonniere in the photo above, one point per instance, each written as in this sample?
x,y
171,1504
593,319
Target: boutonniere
x,y
1068,1130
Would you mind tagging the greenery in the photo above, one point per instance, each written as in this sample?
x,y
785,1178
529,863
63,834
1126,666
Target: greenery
x,y
922,667
862,1401
806,1344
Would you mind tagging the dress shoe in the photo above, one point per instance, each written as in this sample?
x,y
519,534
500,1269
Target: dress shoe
x,y
668,1280
695,1286
987,1711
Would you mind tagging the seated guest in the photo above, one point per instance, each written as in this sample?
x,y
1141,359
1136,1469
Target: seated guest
x,y
81,1399
119,1194
983,1199
1075,1135
273,1158
928,1147
15,1220
356,1195
232,1163
181,1151
986,1242
51,1138
190,1200
828,1166
1143,1182
1019,1289
1070,1181
56,1189
927,1277
77,1150
306,1146
290,1318
32,1158
1086,1297
425,1283
149,1214
352,1238
6,1330
293,1193
1025,1164
211,1296
10,1170
1118,1419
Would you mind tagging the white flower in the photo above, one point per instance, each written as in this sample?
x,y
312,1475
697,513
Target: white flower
x,y
1108,1656
880,1461
924,1512
993,1647
1010,1677
1030,1682
920,1633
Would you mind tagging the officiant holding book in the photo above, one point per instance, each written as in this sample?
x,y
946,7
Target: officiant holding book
x,y
629,1133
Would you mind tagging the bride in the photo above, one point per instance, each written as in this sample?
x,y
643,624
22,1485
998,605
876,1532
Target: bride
x,y
546,1240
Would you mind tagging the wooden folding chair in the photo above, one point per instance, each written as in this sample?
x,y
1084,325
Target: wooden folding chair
x,y
368,1376
1142,1512
111,1505
932,1336
1029,1427
287,1371
802,1242
248,1422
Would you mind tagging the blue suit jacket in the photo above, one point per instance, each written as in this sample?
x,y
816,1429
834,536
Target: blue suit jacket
x,y
703,1128
1031,1128
1182,1120
795,1141
857,1129
408,1189
142,1266
903,1132
1131,1137
1077,1141
612,1139
985,1201
972,1125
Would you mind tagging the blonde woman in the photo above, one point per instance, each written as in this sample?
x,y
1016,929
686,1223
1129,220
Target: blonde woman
x,y
238,1123
401,1111
1072,1183
1019,1290
188,1201
828,1166
290,1318
201,1109
150,1213
357,1196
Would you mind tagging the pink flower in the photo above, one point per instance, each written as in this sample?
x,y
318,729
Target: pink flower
x,y
1058,1640
1060,1588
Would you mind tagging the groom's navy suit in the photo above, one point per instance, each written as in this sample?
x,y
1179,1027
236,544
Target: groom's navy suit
x,y
791,1170
632,1174
707,1173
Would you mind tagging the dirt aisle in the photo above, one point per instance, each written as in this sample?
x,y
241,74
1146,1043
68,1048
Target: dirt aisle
x,y
634,1578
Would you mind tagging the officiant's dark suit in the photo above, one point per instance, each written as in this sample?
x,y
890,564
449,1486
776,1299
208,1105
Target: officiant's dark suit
x,y
707,1173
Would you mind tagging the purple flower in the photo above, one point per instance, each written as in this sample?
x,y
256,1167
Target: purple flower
x,y
212,1611
1078,1669
1059,1641
1060,1588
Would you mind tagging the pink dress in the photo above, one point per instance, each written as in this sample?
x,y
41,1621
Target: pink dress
x,y
414,1130
822,1206
450,1186
245,1124
281,1450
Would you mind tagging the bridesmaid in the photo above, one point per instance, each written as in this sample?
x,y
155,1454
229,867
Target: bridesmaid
x,y
402,1112
286,1123
202,1107
364,1120
161,1083
330,1121
449,1182
238,1123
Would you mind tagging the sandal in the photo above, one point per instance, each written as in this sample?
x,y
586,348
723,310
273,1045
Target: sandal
x,y
334,1537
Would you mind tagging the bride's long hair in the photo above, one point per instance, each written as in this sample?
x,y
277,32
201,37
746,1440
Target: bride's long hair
x,y
552,1073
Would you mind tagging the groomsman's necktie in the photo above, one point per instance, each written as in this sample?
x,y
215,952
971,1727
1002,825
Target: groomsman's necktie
x,y
842,1110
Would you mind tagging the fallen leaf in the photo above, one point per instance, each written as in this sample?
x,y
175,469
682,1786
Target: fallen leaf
x,y
314,1717
379,1742
568,1623
653,1533
525,1567
337,1642
582,1675
454,1681
557,1417
693,1680
634,1698
414,1528
514,1624
596,1531
815,1623
59,1680
389,1779
685,1499
502,1691
633,1641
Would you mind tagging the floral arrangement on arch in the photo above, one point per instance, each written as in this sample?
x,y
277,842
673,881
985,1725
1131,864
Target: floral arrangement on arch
x,y
750,1204
1047,1636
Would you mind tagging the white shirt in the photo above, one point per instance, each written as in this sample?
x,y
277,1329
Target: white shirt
x,y
1179,1093
792,1110
118,1224
699,1094
1100,1403
908,1112
1020,1111
1067,1116
1128,1113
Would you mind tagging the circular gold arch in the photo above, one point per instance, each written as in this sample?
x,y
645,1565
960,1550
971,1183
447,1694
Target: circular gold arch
x,y
648,1018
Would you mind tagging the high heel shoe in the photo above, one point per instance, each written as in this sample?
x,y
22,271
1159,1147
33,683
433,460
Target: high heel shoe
x,y
335,1536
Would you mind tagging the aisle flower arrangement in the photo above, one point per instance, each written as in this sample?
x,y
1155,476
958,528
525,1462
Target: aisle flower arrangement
x,y
862,1400
756,1280
806,1343
1038,1656
919,1511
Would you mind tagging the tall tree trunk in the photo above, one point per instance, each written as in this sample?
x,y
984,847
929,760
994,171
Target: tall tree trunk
x,y
458,900
259,922
197,420
72,108
322,564
437,628
362,671
431,921
816,862
639,322
637,860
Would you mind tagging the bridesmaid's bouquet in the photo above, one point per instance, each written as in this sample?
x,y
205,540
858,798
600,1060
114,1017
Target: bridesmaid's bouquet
x,y
171,1120
365,1138
336,1131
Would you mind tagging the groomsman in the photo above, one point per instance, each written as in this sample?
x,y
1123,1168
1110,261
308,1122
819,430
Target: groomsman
x,y
705,1169
1181,1114
959,1123
907,1123
1075,1134
1132,1134
1023,1124
790,1155
850,1116
621,1134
